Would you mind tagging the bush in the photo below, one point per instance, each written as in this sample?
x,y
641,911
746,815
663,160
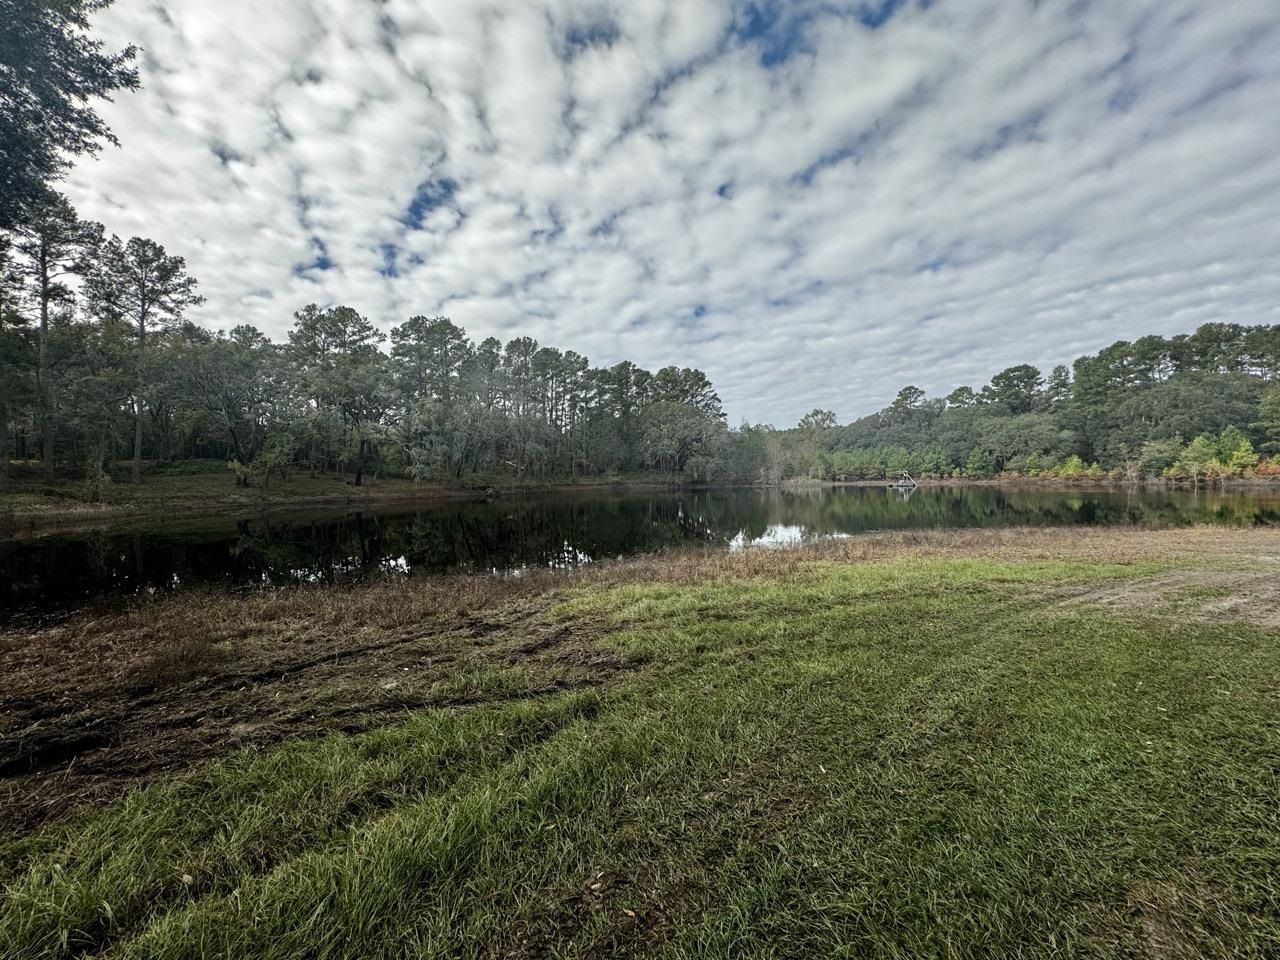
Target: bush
x,y
1266,469
1157,456
980,465
1216,458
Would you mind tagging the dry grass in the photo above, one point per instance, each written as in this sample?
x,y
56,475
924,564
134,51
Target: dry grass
x,y
1199,595
111,647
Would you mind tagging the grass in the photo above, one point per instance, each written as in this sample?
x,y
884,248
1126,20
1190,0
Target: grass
x,y
945,748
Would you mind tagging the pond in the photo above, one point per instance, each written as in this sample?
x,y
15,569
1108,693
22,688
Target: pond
x,y
53,574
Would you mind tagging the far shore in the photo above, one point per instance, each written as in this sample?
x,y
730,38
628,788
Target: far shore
x,y
31,508
35,508
1085,483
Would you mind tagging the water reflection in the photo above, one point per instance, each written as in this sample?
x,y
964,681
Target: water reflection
x,y
61,572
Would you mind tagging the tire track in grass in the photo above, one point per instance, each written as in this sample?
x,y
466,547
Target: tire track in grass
x,y
93,885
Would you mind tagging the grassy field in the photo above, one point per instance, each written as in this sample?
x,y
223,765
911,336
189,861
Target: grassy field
x,y
971,744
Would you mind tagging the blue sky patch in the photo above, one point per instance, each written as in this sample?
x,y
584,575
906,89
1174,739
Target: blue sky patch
x,y
390,255
580,37
774,27
430,195
320,263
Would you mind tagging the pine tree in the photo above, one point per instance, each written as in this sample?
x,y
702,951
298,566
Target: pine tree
x,y
1268,425
139,283
51,71
52,244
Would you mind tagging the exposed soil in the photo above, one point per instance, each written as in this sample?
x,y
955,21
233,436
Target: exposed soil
x,y
79,734
1205,596
1163,911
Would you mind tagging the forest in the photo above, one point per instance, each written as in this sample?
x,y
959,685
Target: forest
x,y
105,376
1199,407
123,379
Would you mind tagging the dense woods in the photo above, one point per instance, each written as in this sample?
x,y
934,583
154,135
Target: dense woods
x,y
108,368
1196,407
100,367
102,375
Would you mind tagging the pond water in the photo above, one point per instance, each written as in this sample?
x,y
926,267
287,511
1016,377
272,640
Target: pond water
x,y
52,574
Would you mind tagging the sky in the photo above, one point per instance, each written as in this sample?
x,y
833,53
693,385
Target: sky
x,y
814,202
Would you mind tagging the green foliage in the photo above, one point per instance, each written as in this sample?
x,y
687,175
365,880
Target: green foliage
x,y
1018,389
50,246
1198,458
51,71
1268,423
1157,456
1073,468
438,406
1125,413
815,422
139,284
1235,452
1230,454
979,465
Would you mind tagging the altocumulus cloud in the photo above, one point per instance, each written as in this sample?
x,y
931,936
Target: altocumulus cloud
x,y
814,202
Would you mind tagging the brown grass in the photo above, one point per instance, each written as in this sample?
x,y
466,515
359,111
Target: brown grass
x,y
110,648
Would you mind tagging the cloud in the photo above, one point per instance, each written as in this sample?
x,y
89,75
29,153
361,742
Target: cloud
x,y
814,202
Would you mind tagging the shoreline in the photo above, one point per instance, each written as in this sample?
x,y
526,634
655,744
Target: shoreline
x,y
1235,483
37,510
41,510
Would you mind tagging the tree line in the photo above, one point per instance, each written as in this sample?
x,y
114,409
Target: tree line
x,y
1193,407
102,365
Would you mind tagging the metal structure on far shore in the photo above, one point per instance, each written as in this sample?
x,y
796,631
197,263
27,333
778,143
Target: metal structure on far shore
x,y
905,481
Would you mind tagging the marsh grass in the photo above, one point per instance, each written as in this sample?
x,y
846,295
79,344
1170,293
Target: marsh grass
x,y
909,748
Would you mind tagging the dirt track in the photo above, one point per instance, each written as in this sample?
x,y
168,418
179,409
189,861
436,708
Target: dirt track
x,y
91,740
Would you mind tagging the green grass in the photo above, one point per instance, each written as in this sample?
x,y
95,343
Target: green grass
x,y
910,758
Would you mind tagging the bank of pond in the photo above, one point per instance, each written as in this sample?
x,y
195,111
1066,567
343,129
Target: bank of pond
x,y
46,575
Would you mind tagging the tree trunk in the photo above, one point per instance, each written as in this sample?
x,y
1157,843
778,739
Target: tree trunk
x,y
42,388
242,476
137,404
137,436
359,462
4,443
